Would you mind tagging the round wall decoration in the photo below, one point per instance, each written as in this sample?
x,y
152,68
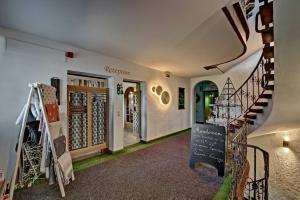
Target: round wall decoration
x,y
153,89
159,90
165,97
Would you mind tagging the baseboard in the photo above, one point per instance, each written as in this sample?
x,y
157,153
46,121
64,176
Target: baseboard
x,y
165,136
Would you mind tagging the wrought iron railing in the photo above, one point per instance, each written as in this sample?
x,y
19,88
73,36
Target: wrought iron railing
x,y
248,6
256,188
248,94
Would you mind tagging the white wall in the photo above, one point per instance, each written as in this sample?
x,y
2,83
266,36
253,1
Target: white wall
x,y
238,74
23,63
284,163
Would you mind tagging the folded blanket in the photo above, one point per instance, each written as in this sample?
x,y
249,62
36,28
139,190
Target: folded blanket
x,y
66,167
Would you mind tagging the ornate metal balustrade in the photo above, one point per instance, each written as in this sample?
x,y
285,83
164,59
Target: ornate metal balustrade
x,y
248,94
256,188
248,6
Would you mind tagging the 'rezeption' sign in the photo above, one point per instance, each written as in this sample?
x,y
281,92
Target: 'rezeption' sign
x,y
116,71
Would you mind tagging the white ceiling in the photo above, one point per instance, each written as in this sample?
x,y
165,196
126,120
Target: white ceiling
x,y
181,36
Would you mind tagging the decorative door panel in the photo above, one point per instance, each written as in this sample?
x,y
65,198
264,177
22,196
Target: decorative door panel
x,y
77,120
88,119
99,118
137,112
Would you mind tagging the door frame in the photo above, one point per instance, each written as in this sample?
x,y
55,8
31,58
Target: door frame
x,y
143,108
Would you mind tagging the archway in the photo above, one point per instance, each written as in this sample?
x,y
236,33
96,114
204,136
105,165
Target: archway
x,y
205,94
128,107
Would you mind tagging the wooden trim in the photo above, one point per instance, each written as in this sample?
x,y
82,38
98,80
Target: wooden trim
x,y
79,154
239,35
243,20
86,89
89,120
107,119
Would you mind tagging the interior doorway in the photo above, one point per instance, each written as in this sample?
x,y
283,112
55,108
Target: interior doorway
x,y
132,113
205,94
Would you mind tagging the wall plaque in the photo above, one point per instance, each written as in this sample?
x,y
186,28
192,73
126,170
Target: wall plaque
x,y
208,146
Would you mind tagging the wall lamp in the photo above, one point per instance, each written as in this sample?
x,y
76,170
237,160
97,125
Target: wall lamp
x,y
213,67
285,143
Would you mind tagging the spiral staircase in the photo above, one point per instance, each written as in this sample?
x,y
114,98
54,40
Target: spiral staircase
x,y
250,105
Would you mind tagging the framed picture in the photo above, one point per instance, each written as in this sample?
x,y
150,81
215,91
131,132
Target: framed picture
x,y
181,98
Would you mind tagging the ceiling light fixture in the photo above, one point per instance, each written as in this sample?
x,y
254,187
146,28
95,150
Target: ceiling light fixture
x,y
213,67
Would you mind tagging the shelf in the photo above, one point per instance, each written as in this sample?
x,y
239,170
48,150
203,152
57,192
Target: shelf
x,y
73,88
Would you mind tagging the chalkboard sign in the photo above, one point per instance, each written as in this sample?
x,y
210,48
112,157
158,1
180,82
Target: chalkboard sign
x,y
208,146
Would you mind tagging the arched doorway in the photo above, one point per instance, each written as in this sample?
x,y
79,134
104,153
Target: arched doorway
x,y
205,94
129,107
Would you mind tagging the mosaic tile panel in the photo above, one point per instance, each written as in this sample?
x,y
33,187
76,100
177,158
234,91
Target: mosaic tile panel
x,y
99,118
78,121
78,99
75,131
136,113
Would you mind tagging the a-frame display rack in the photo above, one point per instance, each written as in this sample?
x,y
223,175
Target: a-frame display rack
x,y
36,86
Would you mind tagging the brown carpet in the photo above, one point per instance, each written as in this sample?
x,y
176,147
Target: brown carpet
x,y
158,172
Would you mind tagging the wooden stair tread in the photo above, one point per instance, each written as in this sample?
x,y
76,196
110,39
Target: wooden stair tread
x,y
268,52
265,96
268,36
269,77
246,120
248,116
256,110
264,104
266,13
269,87
269,66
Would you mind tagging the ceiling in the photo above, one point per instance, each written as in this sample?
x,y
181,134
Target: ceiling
x,y
168,35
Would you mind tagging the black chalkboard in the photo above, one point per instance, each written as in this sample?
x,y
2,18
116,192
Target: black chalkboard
x,y
208,146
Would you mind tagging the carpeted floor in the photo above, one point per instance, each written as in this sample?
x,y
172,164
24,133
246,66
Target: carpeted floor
x,y
158,172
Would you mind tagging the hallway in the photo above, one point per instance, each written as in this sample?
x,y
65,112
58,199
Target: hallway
x,y
160,171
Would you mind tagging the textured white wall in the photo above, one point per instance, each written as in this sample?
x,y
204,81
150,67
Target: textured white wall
x,y
23,63
284,163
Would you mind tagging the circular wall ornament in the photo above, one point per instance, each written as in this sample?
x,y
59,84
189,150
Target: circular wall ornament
x,y
165,97
153,89
159,90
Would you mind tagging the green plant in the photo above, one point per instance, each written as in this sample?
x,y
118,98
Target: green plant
x,y
224,190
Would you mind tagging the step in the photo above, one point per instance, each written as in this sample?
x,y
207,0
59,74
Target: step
x,y
264,104
266,13
256,110
269,77
268,52
269,87
269,66
246,120
268,36
265,96
248,116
